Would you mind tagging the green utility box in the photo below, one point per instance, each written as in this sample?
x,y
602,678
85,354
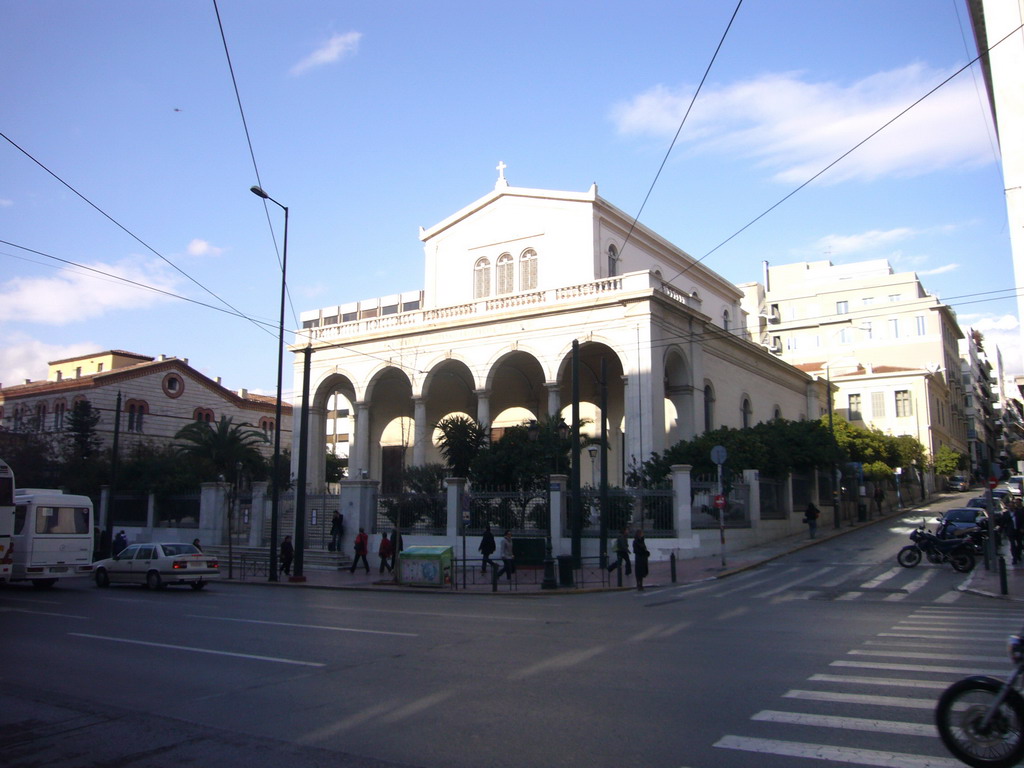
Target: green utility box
x,y
425,566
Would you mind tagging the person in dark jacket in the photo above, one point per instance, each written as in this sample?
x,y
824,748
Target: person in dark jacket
x,y
362,546
287,553
811,515
336,530
486,549
385,553
641,553
120,542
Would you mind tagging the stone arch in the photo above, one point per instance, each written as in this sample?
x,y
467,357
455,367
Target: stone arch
x,y
678,383
390,410
448,388
334,393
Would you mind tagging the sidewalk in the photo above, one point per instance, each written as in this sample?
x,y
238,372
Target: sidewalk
x,y
528,580
990,583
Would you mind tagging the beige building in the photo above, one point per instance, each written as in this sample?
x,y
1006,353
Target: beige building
x,y
510,282
158,397
889,347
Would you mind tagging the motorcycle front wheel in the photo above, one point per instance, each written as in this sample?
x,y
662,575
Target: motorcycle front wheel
x,y
960,716
908,557
962,561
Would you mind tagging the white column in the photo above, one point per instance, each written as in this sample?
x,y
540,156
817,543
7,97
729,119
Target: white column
x,y
483,406
420,432
362,446
554,399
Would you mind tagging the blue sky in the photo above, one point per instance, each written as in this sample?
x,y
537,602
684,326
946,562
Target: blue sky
x,y
371,119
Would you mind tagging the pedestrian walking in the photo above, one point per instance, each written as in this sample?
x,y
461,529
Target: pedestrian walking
x,y
879,497
336,531
384,551
397,546
195,543
811,515
622,552
287,553
641,553
508,562
486,549
120,542
362,546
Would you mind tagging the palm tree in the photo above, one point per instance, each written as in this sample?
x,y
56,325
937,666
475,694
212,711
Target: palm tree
x,y
224,450
461,440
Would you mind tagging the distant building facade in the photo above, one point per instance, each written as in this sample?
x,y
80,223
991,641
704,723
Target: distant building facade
x,y
888,347
158,397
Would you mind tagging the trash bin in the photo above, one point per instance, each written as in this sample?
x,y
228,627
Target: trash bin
x,y
425,566
565,576
862,513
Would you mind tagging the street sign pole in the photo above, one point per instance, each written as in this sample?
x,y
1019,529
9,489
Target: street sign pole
x,y
718,456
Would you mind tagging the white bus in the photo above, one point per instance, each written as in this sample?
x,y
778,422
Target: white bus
x,y
52,536
6,520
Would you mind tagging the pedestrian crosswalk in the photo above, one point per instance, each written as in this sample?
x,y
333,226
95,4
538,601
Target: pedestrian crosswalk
x,y
874,706
838,582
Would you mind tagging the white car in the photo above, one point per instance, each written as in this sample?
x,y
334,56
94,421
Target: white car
x,y
157,565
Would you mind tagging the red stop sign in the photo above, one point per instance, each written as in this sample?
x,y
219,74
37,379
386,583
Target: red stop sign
x,y
719,501
993,482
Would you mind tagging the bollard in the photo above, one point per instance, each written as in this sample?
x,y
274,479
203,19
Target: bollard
x,y
1003,589
672,566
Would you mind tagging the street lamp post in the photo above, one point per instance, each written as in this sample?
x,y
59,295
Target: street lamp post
x,y
274,491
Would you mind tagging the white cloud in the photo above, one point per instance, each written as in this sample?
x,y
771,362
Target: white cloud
x,y
333,50
5,203
23,357
872,240
40,299
941,270
793,127
202,248
1002,331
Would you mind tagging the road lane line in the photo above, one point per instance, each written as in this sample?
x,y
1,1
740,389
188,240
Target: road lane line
x,y
835,754
928,655
43,613
303,626
793,583
911,587
949,597
847,723
437,614
881,578
274,659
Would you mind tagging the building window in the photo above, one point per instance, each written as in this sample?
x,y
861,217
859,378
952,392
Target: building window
x,y
878,405
528,270
59,409
894,297
746,411
267,425
903,403
613,261
845,336
919,324
867,328
725,319
173,385
203,414
40,424
854,413
894,327
504,274
482,279
777,413
709,408
136,409
842,307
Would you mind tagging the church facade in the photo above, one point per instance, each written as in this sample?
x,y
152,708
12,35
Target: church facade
x,y
510,282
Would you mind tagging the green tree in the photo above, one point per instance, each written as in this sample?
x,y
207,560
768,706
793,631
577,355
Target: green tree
x,y
335,468
461,440
948,461
83,441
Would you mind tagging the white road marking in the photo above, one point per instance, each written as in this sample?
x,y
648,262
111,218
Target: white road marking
x,y
304,626
836,754
273,659
848,723
916,668
793,583
928,655
888,682
862,698
45,613
441,615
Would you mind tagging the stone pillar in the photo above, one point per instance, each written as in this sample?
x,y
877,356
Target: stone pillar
x,y
483,406
681,500
358,501
213,511
753,481
456,496
559,493
421,429
260,512
554,399
362,444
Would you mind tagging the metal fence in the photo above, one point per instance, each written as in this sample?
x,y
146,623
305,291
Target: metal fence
x,y
522,512
704,514
651,509
772,494
421,513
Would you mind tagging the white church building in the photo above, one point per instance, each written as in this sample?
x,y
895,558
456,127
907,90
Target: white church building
x,y
509,283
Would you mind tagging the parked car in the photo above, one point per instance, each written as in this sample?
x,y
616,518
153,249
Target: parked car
x,y
156,565
1015,485
979,502
958,483
958,519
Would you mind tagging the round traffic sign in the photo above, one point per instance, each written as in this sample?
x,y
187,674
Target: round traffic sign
x,y
719,501
718,454
993,482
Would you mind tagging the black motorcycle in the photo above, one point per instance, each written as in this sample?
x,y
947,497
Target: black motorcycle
x,y
957,552
981,719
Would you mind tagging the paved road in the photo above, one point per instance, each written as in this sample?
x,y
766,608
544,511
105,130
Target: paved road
x,y
831,654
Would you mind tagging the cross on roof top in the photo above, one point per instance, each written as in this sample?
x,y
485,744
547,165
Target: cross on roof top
x,y
502,181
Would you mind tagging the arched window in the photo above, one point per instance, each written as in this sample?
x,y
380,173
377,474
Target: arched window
x,y
40,424
528,270
504,275
777,414
59,409
613,261
203,414
725,319
136,409
267,425
746,412
709,408
482,279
